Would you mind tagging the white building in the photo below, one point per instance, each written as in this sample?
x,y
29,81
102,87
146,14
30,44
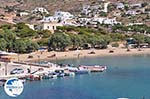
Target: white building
x,y
63,15
120,6
84,21
86,9
106,7
58,17
111,21
131,12
94,9
131,24
139,5
40,9
99,20
23,14
48,26
50,19
69,23
102,20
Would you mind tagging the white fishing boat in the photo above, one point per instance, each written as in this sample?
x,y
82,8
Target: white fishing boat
x,y
78,70
95,68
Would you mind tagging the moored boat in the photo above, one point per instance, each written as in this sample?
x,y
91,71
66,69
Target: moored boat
x,y
95,68
78,70
60,73
52,75
33,77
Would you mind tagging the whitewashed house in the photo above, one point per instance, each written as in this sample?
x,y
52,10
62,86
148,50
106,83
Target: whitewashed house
x,y
40,9
102,20
137,5
48,26
99,20
131,12
63,15
111,21
59,16
94,9
120,6
91,10
69,23
106,7
83,21
50,19
131,24
86,10
23,14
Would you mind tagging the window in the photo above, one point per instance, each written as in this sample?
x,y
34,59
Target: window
x,y
53,27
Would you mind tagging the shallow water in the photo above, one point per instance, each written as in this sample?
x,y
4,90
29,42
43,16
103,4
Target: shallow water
x,y
126,76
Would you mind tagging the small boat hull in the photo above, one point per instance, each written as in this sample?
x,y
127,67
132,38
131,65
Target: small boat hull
x,y
95,68
80,71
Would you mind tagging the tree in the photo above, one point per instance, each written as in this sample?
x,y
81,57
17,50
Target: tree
x,y
103,14
117,36
11,43
147,40
6,26
30,45
3,44
59,41
20,46
44,33
126,7
25,46
93,40
43,42
10,38
24,31
139,39
76,40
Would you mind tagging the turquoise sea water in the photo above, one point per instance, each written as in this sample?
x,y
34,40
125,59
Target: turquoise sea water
x,y
126,76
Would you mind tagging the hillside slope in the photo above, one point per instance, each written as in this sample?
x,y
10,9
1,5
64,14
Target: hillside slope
x,y
53,5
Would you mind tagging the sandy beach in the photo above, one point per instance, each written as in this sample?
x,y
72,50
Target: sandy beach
x,y
38,56
47,56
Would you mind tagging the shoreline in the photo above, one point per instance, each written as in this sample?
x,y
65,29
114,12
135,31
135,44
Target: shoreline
x,y
48,56
69,55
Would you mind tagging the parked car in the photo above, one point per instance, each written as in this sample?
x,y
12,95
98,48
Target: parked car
x,y
17,71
